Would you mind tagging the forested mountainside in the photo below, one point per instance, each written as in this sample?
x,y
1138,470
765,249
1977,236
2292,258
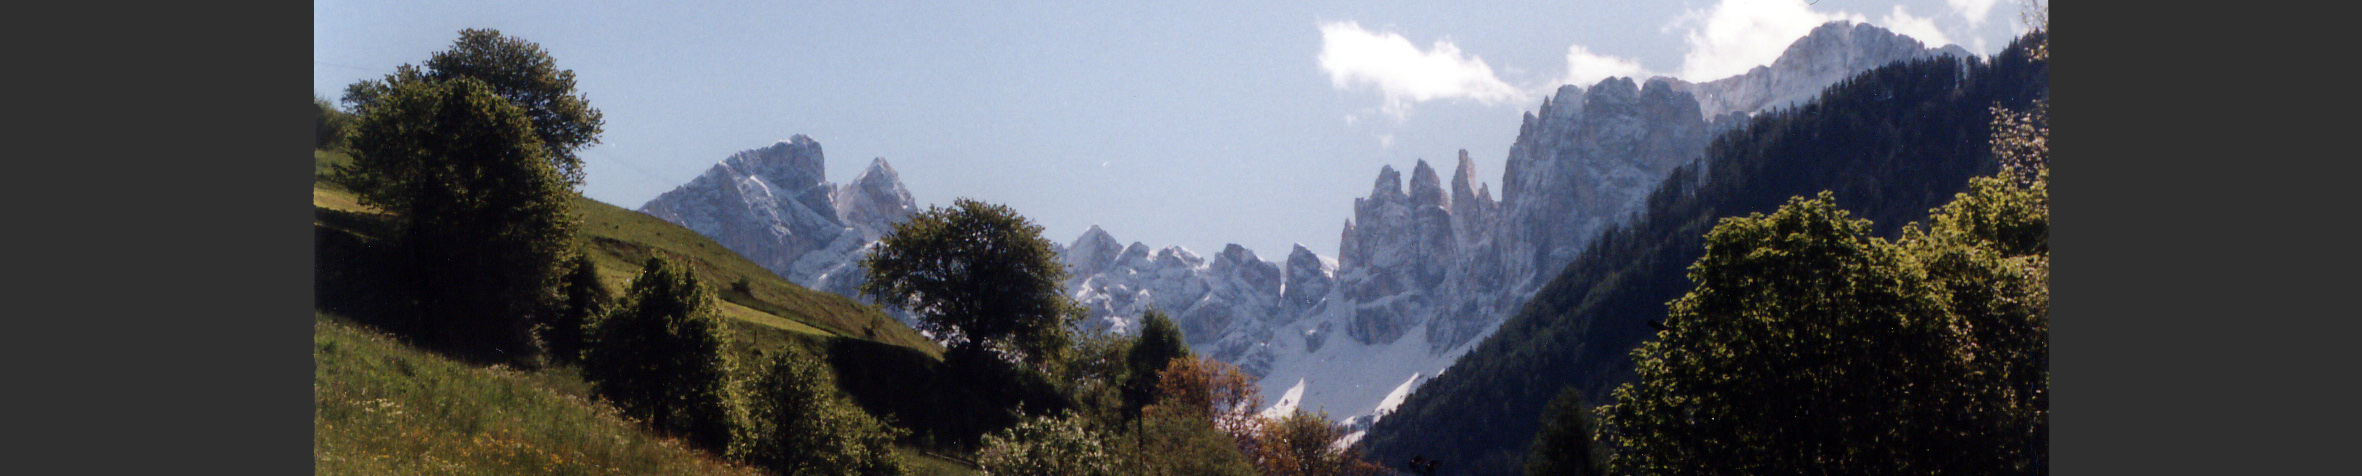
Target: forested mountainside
x,y
1891,144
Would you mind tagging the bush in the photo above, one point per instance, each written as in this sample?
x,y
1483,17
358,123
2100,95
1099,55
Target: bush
x,y
659,357
1040,446
796,425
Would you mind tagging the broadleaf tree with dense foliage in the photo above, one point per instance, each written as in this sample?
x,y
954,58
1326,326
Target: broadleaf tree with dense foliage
x,y
482,221
1809,347
980,278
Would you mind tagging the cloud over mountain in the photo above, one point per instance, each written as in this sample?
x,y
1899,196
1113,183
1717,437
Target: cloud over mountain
x,y
1356,58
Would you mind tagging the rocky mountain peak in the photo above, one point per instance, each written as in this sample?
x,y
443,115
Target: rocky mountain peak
x,y
773,206
1427,187
875,200
1091,253
1388,186
793,164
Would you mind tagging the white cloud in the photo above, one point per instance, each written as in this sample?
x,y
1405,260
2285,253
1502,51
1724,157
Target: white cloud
x,y
1918,28
1355,57
1738,34
1973,10
1584,68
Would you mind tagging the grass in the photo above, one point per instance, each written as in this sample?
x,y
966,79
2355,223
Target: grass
x,y
381,407
622,240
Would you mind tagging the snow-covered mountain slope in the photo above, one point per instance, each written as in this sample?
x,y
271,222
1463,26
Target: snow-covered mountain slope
x,y
772,206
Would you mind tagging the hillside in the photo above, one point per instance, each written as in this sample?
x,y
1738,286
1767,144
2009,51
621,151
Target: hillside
x,y
1891,143
495,420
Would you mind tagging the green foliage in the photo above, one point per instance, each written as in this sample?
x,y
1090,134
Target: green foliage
x,y
978,276
518,71
581,297
659,356
796,425
329,125
480,217
1159,343
1807,346
1778,362
1047,446
1166,441
1565,446
1094,374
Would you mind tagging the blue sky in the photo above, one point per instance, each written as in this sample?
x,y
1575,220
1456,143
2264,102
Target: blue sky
x,y
1199,125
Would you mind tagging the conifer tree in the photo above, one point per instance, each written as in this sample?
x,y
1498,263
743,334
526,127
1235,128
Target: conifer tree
x,y
1564,446
581,298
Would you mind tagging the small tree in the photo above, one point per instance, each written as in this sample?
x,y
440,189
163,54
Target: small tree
x,y
329,125
1305,444
980,278
518,71
581,298
1564,446
1214,391
1159,344
480,216
796,425
659,356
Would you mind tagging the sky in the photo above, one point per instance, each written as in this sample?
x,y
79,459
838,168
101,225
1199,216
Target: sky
x,y
1197,124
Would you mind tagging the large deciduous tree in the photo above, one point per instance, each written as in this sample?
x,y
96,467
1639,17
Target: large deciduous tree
x,y
980,278
1808,347
481,218
518,71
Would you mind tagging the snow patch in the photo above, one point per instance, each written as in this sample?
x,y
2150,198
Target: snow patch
x,y
1394,398
1288,402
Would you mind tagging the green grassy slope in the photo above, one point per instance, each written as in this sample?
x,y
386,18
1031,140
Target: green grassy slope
x,y
620,241
382,407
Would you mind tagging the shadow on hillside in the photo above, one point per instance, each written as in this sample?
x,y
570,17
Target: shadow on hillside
x,y
350,264
357,274
948,404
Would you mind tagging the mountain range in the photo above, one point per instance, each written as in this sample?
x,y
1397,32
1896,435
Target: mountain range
x,y
1421,274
